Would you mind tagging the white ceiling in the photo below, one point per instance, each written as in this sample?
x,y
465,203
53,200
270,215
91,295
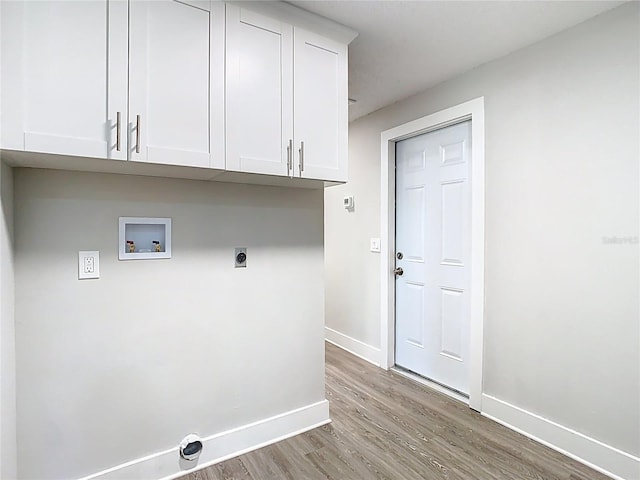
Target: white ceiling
x,y
404,47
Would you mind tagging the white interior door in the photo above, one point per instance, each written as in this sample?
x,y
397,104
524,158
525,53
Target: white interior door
x,y
433,250
169,83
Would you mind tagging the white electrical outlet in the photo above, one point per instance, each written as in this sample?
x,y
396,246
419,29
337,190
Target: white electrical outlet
x,y
88,264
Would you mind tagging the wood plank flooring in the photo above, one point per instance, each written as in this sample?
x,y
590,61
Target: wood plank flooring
x,y
388,427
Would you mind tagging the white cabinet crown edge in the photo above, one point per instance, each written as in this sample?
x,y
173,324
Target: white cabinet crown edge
x,y
301,18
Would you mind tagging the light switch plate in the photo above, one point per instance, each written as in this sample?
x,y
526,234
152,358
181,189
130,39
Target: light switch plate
x,y
88,264
347,203
375,245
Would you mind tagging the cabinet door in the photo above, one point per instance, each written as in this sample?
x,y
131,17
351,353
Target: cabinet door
x,y
320,107
259,92
175,86
64,77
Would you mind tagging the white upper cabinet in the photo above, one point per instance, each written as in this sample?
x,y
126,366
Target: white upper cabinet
x,y
320,107
64,77
247,87
286,99
176,89
259,92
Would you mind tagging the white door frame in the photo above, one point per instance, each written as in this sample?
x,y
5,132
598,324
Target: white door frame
x,y
472,110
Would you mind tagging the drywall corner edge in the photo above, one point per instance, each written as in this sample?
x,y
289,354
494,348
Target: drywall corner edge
x,y
8,428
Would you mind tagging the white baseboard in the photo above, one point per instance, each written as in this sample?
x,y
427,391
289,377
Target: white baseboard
x,y
351,345
168,465
589,451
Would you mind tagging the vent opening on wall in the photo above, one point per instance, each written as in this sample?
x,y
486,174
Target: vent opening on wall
x,y
191,447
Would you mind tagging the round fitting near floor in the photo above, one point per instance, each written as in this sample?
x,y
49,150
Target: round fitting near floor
x,y
191,447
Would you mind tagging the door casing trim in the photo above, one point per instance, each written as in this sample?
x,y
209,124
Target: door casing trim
x,y
472,110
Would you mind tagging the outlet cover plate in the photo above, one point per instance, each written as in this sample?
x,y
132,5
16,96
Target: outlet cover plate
x,y
88,264
240,251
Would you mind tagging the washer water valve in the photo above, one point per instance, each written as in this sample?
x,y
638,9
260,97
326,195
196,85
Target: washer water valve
x,y
191,447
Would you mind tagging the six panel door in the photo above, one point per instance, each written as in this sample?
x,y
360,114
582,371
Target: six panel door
x,y
433,236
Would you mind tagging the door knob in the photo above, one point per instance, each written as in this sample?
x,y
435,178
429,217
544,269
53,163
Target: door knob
x,y
398,271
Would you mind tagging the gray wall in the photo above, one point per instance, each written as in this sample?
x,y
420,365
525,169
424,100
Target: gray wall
x,y
113,369
562,322
7,329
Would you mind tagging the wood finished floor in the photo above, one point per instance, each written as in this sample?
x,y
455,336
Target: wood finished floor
x,y
387,427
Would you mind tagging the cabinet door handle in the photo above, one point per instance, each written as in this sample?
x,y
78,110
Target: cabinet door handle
x,y
289,156
118,131
137,133
301,153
